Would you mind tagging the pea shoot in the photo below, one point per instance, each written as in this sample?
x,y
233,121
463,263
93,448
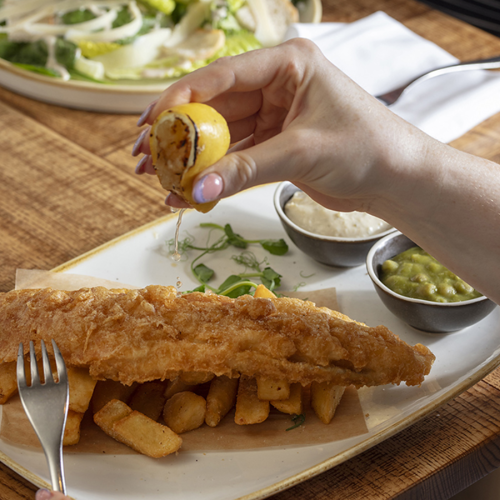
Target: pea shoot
x,y
236,284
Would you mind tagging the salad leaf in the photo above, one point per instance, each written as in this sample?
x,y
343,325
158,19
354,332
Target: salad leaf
x,y
8,49
235,5
41,70
236,292
179,12
93,49
270,279
237,43
65,52
228,24
234,239
203,272
275,247
123,17
32,54
165,6
36,53
77,16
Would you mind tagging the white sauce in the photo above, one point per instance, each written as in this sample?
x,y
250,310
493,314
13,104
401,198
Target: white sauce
x,y
311,216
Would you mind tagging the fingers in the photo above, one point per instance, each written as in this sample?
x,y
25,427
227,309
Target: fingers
x,y
141,145
145,166
233,85
44,494
172,200
274,160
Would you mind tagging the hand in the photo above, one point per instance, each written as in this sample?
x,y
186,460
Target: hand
x,y
293,116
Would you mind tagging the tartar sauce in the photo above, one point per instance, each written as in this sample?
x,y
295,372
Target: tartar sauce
x,y
311,216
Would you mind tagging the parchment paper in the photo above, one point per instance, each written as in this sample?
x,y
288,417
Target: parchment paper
x,y
348,421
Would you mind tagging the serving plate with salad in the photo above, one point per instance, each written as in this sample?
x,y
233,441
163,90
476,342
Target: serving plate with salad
x,y
118,55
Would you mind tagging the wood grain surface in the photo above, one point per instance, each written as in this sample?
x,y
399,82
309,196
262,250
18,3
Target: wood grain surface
x,y
67,185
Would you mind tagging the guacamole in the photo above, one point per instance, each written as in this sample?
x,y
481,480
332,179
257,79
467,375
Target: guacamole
x,y
414,273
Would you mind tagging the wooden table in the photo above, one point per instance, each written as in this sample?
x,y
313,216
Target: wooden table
x,y
67,185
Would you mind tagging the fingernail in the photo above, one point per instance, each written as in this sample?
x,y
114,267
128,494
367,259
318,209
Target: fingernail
x,y
167,202
138,142
139,168
142,119
43,494
208,188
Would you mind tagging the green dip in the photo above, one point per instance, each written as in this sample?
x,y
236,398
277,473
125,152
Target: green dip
x,y
414,273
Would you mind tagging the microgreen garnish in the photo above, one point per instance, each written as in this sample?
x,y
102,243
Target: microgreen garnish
x,y
297,420
236,284
305,277
298,285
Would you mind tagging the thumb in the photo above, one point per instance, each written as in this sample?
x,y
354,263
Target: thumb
x,y
270,161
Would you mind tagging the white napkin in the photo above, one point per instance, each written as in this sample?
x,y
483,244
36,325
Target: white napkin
x,y
380,55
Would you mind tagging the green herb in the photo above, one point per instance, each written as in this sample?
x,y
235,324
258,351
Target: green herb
x,y
310,276
274,247
297,420
236,284
299,285
249,260
203,273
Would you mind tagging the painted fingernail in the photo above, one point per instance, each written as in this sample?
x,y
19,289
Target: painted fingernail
x,y
208,188
140,167
142,119
138,142
43,494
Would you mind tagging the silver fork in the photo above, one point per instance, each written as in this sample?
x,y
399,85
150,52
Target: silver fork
x,y
392,96
46,406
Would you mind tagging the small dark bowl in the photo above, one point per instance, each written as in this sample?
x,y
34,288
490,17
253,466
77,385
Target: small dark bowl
x,y
329,250
433,317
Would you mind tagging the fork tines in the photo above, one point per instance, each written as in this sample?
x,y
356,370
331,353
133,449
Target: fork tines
x,y
46,406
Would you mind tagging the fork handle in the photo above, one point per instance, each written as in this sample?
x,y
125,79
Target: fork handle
x,y
56,469
492,63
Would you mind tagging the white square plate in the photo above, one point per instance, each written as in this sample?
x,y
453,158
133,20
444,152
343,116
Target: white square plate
x,y
139,258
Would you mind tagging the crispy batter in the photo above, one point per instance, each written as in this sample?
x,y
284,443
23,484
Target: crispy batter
x,y
156,333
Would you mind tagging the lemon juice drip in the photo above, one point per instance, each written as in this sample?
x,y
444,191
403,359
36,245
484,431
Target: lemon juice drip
x,y
176,255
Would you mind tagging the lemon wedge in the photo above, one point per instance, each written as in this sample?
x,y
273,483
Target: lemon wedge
x,y
184,141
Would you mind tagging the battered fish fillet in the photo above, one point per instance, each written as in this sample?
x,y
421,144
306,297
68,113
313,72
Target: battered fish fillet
x,y
155,333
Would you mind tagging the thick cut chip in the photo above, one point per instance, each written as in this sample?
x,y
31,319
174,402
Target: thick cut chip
x,y
269,390
72,428
325,397
146,436
136,430
184,141
249,408
81,388
221,398
184,412
294,405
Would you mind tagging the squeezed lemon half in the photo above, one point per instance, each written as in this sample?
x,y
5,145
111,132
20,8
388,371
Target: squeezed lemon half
x,y
184,141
